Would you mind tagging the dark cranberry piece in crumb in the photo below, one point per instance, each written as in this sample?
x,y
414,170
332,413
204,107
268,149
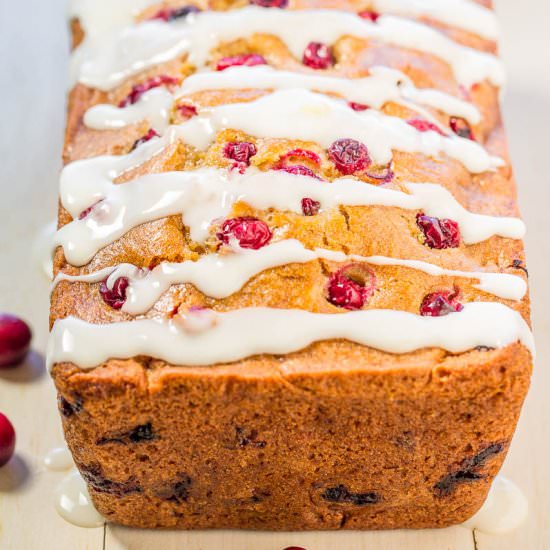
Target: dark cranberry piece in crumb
x,y
310,207
439,232
167,14
248,231
15,339
358,106
299,170
187,111
294,548
139,89
351,287
7,440
369,15
144,139
383,176
318,56
518,264
425,126
116,296
248,60
240,152
461,128
468,470
343,495
68,408
438,304
349,155
270,3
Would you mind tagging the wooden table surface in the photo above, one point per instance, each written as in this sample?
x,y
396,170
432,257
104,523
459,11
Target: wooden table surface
x,y
33,54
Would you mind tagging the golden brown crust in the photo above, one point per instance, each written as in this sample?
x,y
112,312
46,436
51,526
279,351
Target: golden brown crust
x,y
336,435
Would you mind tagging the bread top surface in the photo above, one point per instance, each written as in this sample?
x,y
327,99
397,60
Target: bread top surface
x,y
365,231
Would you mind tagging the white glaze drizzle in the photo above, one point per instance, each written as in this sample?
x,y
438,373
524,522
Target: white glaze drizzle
x,y
463,14
42,249
207,194
220,275
101,15
105,60
504,510
380,87
308,116
242,333
58,459
73,502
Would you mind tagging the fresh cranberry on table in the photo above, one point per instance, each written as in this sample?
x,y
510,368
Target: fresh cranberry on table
x,y
15,339
7,440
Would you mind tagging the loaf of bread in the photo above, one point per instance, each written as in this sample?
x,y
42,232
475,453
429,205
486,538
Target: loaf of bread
x,y
290,285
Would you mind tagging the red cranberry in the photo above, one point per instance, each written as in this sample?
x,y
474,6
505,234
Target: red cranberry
x,y
349,155
358,106
294,548
144,139
441,303
167,14
310,207
187,111
439,232
116,296
270,3
240,152
250,232
7,440
299,170
384,176
248,60
15,339
461,128
318,56
424,125
86,212
351,286
369,15
139,89
304,154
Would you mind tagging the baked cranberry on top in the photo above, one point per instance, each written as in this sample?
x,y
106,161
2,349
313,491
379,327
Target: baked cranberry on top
x,y
310,207
439,233
318,56
461,128
171,14
139,89
116,296
349,155
247,59
423,125
240,152
351,287
270,3
441,303
369,15
249,232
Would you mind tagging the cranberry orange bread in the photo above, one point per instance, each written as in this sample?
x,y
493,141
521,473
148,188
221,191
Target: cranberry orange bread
x,y
290,286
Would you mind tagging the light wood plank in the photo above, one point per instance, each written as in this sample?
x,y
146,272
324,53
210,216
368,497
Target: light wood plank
x,y
458,538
